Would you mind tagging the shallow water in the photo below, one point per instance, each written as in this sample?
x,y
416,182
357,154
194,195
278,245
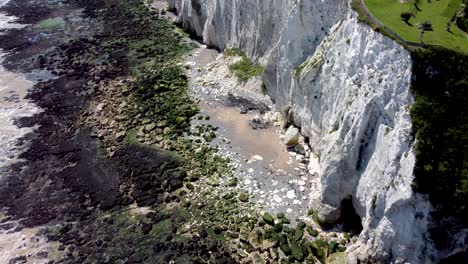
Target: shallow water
x,y
13,89
262,142
278,182
8,22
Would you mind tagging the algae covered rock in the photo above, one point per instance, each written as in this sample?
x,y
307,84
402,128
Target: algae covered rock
x,y
286,249
312,231
243,197
319,248
297,252
278,227
298,233
268,219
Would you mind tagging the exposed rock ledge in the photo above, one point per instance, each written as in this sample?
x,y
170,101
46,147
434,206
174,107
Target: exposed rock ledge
x,y
349,90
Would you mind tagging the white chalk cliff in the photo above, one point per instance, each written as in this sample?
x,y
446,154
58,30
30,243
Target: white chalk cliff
x,y
349,90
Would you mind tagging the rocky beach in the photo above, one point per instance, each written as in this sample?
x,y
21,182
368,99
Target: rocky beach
x,y
219,131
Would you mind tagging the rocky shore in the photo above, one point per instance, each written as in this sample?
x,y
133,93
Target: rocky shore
x,y
114,172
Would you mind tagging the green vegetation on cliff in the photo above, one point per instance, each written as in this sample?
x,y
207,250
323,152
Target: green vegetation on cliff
x,y
440,121
244,68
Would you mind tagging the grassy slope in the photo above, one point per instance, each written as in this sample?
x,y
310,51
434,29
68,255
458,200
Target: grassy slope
x,y
437,12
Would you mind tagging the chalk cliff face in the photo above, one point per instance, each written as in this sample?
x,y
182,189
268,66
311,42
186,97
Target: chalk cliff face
x,y
349,90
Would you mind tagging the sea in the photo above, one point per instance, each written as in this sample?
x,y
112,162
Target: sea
x,y
13,88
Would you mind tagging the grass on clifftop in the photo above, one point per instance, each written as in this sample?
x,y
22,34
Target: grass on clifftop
x,y
245,68
437,12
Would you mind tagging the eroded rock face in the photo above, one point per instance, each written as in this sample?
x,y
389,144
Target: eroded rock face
x,y
352,98
349,90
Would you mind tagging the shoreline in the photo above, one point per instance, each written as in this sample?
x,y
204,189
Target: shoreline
x,y
14,87
13,90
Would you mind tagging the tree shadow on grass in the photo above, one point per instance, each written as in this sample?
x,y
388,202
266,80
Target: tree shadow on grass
x,y
417,7
407,23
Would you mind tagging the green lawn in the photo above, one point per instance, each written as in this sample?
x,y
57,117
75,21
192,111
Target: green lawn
x,y
438,12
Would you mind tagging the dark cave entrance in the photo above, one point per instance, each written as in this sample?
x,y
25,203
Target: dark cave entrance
x,y
350,220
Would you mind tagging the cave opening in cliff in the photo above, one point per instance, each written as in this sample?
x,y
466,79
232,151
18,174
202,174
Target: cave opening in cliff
x,y
349,219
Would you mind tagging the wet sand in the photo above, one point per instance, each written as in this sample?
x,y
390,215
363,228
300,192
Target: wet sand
x,y
13,245
265,167
262,142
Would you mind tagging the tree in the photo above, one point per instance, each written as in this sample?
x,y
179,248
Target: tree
x,y
425,26
461,18
406,16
